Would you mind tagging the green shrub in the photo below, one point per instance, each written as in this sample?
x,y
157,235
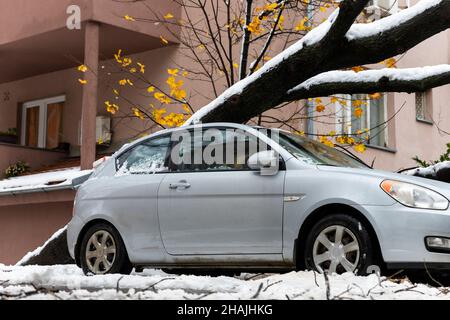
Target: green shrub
x,y
442,158
17,169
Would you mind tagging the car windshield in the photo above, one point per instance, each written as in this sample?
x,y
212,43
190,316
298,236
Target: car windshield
x,y
316,153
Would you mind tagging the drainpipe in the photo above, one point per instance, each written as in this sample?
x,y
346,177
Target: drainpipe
x,y
310,104
90,94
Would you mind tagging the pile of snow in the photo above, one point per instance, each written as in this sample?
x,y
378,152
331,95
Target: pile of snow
x,y
372,76
68,282
38,250
42,181
360,30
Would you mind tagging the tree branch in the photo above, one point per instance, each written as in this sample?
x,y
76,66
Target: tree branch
x,y
322,50
245,41
371,81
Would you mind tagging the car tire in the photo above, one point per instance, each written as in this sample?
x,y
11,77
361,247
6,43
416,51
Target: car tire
x,y
352,252
102,251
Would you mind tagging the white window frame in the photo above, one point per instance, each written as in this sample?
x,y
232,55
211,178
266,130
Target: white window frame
x,y
344,113
391,8
42,104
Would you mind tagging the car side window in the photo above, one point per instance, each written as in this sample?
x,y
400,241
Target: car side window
x,y
214,150
147,157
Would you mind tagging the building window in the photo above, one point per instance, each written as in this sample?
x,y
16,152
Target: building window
x,y
423,106
373,118
42,123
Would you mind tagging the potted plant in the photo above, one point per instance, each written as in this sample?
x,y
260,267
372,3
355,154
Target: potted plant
x,y
9,136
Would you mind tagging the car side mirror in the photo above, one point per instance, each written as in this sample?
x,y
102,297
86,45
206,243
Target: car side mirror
x,y
265,161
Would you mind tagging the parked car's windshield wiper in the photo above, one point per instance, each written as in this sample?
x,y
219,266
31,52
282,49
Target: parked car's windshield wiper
x,y
354,157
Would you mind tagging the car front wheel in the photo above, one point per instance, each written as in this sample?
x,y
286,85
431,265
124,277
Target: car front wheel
x,y
103,251
339,243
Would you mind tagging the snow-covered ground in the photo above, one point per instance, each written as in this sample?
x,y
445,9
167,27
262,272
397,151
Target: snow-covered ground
x,y
68,282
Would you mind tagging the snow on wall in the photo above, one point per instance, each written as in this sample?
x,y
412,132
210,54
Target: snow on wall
x,y
41,181
373,75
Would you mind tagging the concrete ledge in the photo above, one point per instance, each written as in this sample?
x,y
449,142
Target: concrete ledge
x,y
48,197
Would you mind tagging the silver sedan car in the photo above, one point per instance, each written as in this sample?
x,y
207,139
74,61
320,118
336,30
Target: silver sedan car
x,y
230,196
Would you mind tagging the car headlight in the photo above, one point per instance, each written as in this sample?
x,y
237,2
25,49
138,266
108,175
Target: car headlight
x,y
415,196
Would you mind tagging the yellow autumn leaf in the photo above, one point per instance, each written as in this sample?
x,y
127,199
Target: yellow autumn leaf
x,y
187,109
326,141
173,72
138,113
357,69
390,63
163,40
185,74
161,97
375,96
126,62
235,65
358,103
82,68
179,94
151,89
333,99
255,26
301,26
168,16
82,81
111,108
320,108
118,56
361,148
129,18
358,112
271,6
141,67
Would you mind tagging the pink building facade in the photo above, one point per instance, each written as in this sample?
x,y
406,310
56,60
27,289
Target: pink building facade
x,y
39,56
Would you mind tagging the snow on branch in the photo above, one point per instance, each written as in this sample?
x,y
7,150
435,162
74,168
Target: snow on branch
x,y
439,171
362,30
336,44
370,81
393,35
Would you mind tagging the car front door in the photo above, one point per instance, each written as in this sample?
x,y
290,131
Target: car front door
x,y
220,208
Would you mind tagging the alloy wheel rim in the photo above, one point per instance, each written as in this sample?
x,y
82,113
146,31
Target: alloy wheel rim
x,y
100,252
336,250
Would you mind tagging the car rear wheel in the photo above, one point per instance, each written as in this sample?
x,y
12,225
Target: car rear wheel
x,y
103,251
339,243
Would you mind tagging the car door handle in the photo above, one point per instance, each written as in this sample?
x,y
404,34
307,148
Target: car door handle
x,y
180,185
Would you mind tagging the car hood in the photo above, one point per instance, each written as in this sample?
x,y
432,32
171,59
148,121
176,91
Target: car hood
x,y
441,187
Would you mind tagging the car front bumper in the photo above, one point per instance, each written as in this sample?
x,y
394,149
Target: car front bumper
x,y
401,233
